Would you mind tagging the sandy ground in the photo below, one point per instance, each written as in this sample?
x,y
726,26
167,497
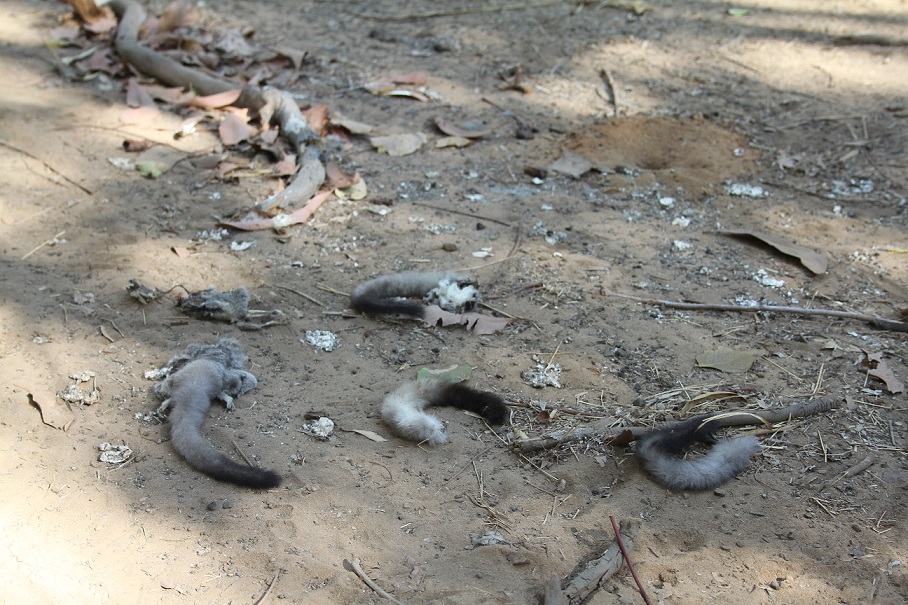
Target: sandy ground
x,y
706,99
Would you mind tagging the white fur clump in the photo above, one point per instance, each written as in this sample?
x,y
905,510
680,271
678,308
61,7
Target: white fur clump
x,y
724,460
451,296
402,411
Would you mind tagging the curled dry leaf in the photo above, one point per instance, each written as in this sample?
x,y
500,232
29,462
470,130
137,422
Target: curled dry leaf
x,y
452,142
399,144
179,13
352,126
256,222
726,360
474,322
813,261
221,99
465,132
571,164
136,95
369,435
235,127
880,369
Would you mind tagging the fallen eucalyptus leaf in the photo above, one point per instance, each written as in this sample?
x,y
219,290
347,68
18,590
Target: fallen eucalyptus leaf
x,y
726,360
813,261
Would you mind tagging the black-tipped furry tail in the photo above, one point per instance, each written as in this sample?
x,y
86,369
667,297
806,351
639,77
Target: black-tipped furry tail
x,y
216,465
660,452
386,295
458,395
403,409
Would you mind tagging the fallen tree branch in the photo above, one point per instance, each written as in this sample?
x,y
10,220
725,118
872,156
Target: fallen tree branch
x,y
273,106
878,322
722,419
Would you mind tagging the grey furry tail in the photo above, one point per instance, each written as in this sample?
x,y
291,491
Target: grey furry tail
x,y
403,410
658,453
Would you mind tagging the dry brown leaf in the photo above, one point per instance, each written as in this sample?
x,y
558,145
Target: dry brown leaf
x,y
813,261
180,251
571,164
296,56
256,222
476,323
168,94
352,126
235,127
452,142
317,116
880,369
136,95
454,130
221,99
410,94
179,13
335,178
369,435
726,360
399,144
286,166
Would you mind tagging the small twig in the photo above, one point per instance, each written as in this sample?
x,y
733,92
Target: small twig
x,y
470,214
354,563
105,334
42,244
610,89
390,476
457,11
627,560
46,165
860,467
331,290
298,293
242,453
883,324
265,594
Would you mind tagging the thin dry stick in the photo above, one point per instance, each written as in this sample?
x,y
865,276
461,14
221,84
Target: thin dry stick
x,y
298,293
627,560
242,453
42,244
741,418
457,11
46,165
884,324
610,89
860,467
354,563
470,214
265,594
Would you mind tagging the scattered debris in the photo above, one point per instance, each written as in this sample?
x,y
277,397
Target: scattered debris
x,y
763,277
114,454
141,293
321,428
73,393
323,340
543,374
742,190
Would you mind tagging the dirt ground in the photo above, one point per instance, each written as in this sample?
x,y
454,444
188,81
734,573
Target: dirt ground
x,y
707,98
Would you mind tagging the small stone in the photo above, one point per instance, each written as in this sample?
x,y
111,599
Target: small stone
x,y
449,247
212,506
721,493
